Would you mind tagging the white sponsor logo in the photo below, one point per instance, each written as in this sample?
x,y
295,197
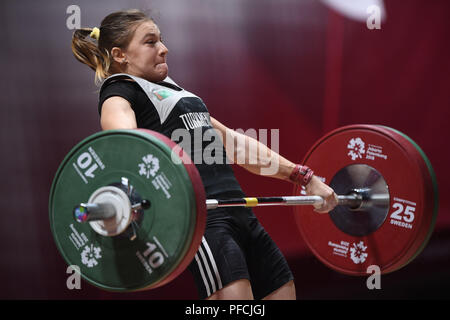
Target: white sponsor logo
x,y
149,167
357,252
356,147
90,255
358,150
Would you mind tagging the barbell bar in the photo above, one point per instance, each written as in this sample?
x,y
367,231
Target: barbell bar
x,y
353,201
86,212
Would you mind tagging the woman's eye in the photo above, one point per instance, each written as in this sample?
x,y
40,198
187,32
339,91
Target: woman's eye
x,y
152,42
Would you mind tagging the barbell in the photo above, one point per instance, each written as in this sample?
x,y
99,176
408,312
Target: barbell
x,y
132,218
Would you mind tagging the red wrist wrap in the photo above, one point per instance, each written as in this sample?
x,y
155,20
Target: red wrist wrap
x,y
301,175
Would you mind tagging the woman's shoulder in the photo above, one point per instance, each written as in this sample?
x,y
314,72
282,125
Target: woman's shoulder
x,y
127,89
119,84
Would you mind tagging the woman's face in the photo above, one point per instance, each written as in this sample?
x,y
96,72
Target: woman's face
x,y
146,54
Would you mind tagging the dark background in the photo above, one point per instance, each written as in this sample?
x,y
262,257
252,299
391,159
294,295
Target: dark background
x,y
298,66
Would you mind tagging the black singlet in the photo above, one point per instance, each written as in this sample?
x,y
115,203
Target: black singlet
x,y
168,109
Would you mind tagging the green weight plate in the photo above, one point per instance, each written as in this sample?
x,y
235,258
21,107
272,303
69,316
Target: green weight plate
x,y
167,234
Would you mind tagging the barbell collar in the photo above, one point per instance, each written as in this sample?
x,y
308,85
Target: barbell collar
x,y
144,205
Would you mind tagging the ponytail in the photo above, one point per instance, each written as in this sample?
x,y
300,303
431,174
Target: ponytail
x,y
87,51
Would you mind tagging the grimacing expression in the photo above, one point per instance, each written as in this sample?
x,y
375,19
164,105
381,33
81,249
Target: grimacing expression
x,y
146,54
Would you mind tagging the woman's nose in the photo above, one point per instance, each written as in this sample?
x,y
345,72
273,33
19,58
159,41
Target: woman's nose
x,y
163,50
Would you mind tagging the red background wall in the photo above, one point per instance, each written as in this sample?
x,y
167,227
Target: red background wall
x,y
296,66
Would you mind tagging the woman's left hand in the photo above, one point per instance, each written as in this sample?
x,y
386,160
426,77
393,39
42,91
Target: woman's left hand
x,y
317,188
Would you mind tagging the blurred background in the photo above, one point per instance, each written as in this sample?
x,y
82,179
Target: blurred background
x,y
304,67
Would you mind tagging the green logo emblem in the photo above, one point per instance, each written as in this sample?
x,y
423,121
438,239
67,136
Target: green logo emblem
x,y
162,94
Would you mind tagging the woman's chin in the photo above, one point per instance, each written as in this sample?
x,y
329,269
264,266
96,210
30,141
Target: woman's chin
x,y
159,73
162,69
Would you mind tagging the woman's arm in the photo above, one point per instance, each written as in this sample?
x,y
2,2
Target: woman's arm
x,y
253,155
262,157
117,114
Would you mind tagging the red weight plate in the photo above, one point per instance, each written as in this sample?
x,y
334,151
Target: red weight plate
x,y
431,205
407,223
200,199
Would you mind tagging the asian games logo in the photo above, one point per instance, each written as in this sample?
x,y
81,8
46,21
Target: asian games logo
x,y
356,148
149,166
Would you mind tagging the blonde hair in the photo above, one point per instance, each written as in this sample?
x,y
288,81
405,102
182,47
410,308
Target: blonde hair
x,y
116,30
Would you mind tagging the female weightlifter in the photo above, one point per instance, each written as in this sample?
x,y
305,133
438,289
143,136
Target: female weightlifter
x,y
237,258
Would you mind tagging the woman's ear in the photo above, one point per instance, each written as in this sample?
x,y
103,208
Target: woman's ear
x,y
118,55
